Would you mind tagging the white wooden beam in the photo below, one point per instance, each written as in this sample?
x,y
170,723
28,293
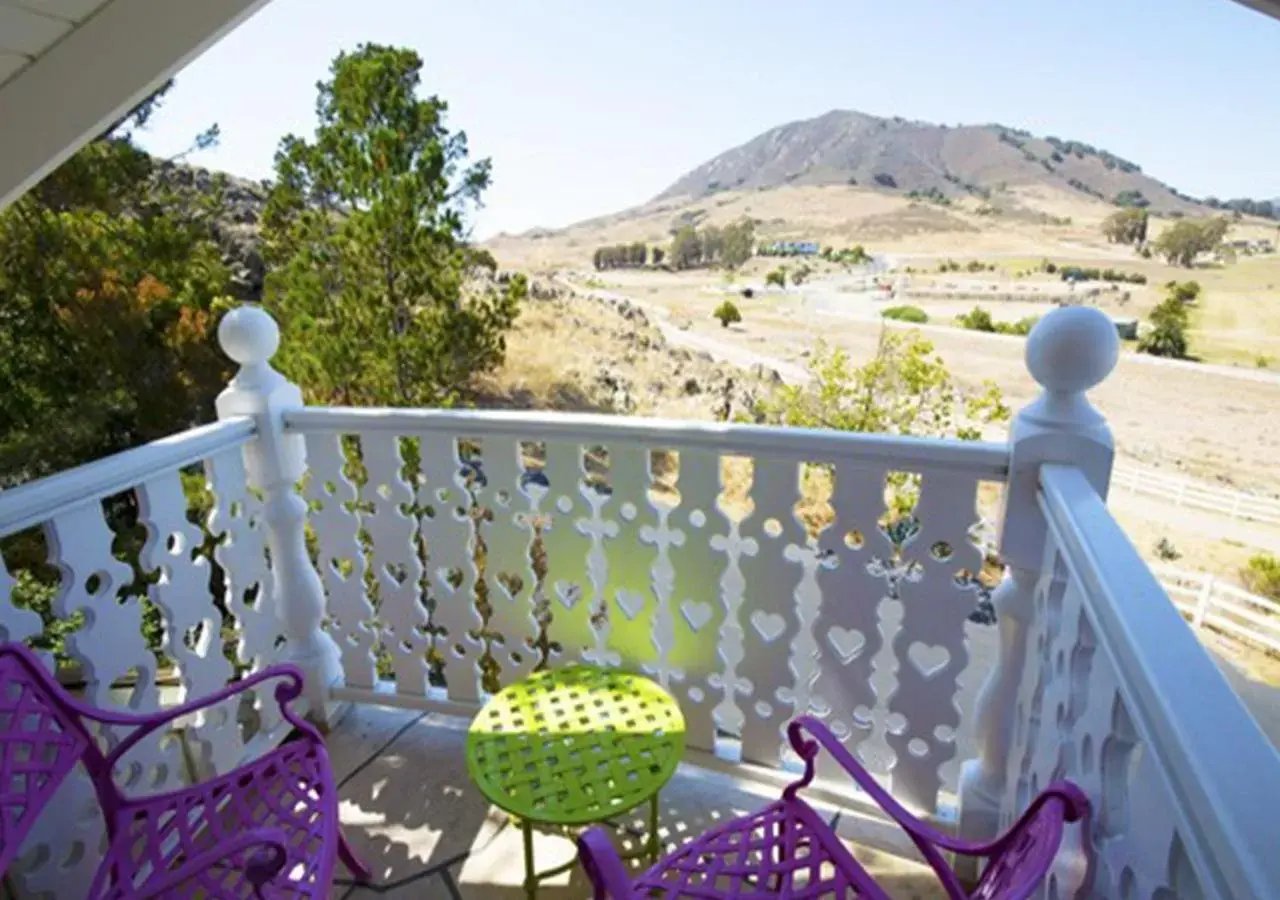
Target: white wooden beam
x,y
96,73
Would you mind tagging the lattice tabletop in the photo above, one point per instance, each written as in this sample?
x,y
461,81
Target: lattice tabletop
x,y
575,745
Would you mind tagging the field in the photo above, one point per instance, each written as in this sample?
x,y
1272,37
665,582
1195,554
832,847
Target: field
x,y
1211,420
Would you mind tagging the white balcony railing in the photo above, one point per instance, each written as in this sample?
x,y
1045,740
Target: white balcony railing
x,y
424,558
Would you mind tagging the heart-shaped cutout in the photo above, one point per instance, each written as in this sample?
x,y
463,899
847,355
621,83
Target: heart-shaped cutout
x,y
568,592
696,613
928,659
631,603
847,642
769,625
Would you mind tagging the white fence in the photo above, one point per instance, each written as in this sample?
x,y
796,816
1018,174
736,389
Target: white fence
x,y
1194,495
1209,603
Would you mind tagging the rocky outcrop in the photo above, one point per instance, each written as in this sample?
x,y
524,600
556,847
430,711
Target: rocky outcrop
x,y
236,223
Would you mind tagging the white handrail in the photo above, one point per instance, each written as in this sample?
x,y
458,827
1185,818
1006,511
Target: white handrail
x,y
1222,769
40,500
986,460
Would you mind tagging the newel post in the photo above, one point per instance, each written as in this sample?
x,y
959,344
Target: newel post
x,y
1071,350
274,463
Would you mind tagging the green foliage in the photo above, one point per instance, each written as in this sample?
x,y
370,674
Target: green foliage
x,y
730,246
776,278
1092,273
620,256
728,314
905,389
1128,226
801,274
373,282
1261,575
1185,291
977,319
1167,335
738,243
110,290
1132,198
884,180
686,248
905,314
849,256
932,195
1182,242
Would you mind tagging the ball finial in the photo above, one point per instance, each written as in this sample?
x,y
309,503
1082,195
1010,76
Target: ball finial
x,y
1072,349
248,335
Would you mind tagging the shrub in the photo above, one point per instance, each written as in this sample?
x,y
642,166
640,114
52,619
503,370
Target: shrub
x,y
1168,333
1186,291
906,314
977,319
1262,575
1165,550
777,277
727,313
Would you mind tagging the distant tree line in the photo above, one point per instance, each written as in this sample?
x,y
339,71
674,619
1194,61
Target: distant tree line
x,y
730,246
1082,273
1267,209
625,256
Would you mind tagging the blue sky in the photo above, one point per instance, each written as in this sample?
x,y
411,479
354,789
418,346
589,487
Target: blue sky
x,y
589,107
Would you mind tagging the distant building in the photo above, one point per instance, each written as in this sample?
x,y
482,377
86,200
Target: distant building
x,y
791,248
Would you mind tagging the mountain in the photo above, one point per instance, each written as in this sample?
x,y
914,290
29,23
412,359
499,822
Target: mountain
x,y
846,147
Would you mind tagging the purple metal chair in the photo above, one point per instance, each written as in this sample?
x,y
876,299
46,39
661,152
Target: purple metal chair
x,y
787,850
265,830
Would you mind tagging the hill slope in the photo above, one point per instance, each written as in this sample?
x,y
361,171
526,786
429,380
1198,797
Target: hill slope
x,y
845,147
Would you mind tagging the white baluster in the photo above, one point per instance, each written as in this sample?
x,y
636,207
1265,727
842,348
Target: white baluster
x,y
182,594
1070,351
397,570
769,616
274,462
508,567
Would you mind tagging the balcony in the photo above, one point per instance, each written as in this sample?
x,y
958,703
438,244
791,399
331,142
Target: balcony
x,y
414,561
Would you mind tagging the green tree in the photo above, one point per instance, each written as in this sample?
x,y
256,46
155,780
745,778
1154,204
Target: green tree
x,y
1262,575
1128,226
374,283
1185,291
976,319
658,254
905,389
1182,242
739,242
110,289
686,248
1167,335
776,277
638,254
712,244
728,314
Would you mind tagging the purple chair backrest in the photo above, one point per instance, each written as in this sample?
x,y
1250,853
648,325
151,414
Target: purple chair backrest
x,y
40,743
1020,866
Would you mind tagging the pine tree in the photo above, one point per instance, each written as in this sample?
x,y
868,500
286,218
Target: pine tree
x,y
380,297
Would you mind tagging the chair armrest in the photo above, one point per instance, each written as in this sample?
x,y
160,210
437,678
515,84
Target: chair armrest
x,y
1076,805
259,870
149,723
603,866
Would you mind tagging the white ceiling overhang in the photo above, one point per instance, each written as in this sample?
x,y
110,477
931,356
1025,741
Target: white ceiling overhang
x,y
69,68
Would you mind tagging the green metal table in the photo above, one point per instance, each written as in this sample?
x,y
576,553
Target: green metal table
x,y
572,747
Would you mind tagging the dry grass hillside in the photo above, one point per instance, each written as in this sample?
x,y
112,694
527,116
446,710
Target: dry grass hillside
x,y
847,148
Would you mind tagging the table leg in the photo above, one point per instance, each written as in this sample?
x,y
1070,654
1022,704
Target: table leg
x,y
655,844
530,876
